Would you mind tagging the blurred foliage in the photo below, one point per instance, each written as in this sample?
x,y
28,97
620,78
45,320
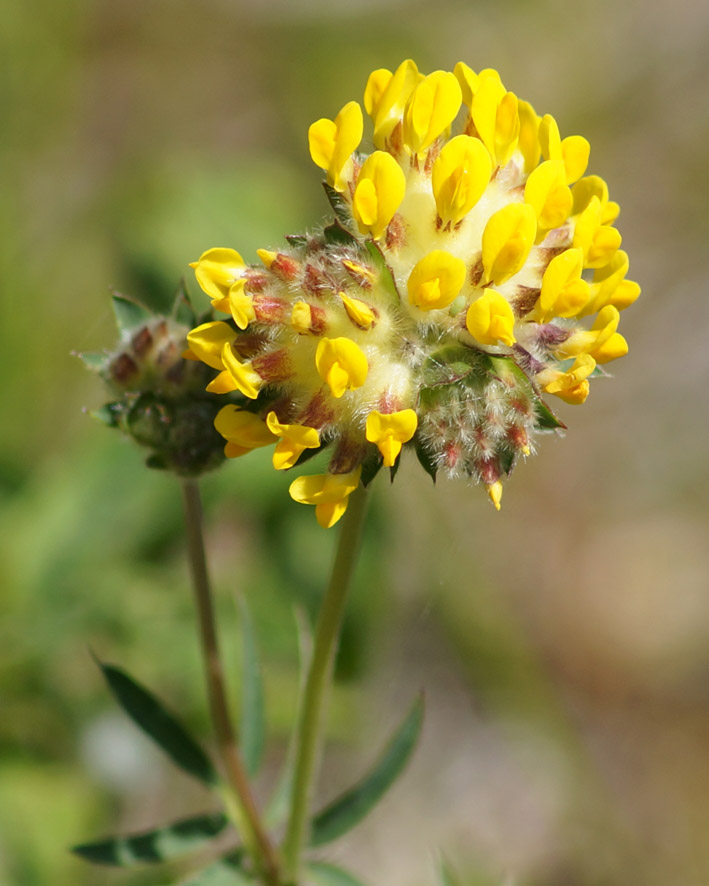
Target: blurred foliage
x,y
563,644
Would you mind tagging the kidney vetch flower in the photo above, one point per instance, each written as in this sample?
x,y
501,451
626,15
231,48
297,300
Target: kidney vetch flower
x,y
472,268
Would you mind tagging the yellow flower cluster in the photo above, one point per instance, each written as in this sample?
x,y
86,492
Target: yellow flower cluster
x,y
448,296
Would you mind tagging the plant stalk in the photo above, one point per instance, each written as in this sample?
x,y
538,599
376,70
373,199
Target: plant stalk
x,y
310,716
242,803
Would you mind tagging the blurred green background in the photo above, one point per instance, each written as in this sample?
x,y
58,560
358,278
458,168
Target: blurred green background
x,y
563,643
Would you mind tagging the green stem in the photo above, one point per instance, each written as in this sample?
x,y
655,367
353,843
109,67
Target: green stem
x,y
240,802
319,674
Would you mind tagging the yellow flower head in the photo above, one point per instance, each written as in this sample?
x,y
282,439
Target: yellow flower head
x,y
472,270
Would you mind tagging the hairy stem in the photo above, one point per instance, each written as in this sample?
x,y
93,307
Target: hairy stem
x,y
241,802
310,719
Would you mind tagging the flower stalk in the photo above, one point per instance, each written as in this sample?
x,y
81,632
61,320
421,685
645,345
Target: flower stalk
x,y
241,803
325,645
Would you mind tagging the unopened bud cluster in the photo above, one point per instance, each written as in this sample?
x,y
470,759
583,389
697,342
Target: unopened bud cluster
x,y
159,397
447,298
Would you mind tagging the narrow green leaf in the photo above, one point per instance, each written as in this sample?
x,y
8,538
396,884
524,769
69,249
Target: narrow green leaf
x,y
110,414
337,201
160,844
386,278
182,310
299,241
253,730
351,807
546,420
371,465
326,874
93,360
227,871
129,312
337,235
148,713
424,458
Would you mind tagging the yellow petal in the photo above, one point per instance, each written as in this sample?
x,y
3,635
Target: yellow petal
x,y
320,488
506,128
490,319
626,292
605,244
564,293
374,90
614,347
342,364
575,151
241,305
586,188
350,126
242,428
387,102
460,175
436,280
244,376
606,281
332,143
572,385
358,311
233,450
495,114
589,342
328,513
599,242
207,342
483,110
217,269
574,394
494,490
301,317
528,143
549,138
431,109
366,204
468,80
390,430
381,186
321,141
507,240
222,384
328,492
295,440
546,191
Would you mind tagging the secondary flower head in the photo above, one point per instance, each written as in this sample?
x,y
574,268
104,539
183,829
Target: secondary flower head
x,y
472,268
159,398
